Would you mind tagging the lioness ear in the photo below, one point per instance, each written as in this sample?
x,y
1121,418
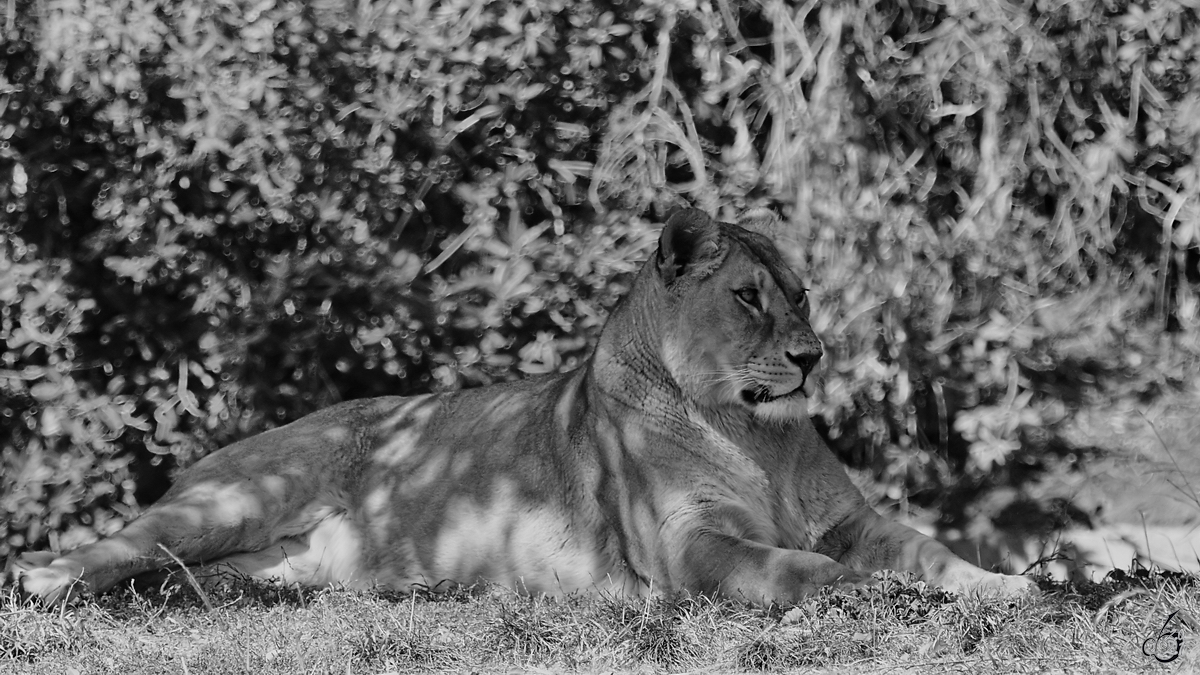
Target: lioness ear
x,y
688,241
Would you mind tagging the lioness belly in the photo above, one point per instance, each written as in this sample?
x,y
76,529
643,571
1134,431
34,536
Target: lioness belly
x,y
506,541
502,541
500,531
329,554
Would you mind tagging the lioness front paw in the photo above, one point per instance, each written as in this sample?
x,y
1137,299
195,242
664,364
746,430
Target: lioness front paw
x,y
47,577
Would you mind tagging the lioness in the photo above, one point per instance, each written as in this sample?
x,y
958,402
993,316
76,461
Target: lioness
x,y
679,457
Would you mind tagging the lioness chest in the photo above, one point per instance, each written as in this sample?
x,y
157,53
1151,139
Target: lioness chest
x,y
748,493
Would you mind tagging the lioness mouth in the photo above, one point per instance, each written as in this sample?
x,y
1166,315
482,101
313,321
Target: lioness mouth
x,y
761,394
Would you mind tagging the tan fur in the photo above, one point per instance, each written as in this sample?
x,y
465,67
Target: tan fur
x,y
679,457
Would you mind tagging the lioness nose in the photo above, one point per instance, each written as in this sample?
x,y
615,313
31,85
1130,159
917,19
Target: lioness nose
x,y
807,360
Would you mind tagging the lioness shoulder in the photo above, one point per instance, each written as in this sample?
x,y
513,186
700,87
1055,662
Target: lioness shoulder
x,y
679,457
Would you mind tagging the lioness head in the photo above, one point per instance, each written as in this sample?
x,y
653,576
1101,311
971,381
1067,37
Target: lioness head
x,y
737,332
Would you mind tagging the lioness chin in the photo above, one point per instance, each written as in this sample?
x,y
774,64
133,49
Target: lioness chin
x,y
680,457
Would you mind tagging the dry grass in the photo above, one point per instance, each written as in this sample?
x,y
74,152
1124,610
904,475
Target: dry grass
x,y
896,626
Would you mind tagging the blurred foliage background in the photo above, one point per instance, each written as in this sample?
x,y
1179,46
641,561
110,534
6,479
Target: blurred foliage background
x,y
221,215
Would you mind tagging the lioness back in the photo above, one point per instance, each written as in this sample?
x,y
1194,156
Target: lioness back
x,y
679,457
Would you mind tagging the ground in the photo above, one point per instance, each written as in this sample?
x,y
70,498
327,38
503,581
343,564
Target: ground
x,y
1123,485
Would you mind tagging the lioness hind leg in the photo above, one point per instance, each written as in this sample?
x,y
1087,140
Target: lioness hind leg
x,y
243,528
55,578
202,523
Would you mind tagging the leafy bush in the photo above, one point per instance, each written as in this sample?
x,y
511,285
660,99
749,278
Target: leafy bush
x,y
246,215
218,218
996,205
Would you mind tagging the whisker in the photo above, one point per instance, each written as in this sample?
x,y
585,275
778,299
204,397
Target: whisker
x,y
738,377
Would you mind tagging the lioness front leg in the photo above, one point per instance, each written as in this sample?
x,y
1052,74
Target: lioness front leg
x,y
868,541
746,570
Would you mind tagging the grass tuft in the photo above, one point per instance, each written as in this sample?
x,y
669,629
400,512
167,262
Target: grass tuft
x,y
530,630
762,653
27,636
656,630
379,648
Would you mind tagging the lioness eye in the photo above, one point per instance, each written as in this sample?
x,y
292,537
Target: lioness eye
x,y
748,296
